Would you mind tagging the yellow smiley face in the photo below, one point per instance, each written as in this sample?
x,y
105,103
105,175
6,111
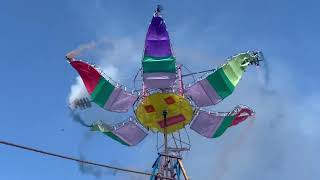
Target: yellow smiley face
x,y
150,112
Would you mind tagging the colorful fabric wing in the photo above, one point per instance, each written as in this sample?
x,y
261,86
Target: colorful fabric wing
x,y
159,65
129,133
101,91
213,125
242,114
221,83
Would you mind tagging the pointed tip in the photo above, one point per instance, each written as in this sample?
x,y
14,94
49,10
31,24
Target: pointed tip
x,y
69,59
158,10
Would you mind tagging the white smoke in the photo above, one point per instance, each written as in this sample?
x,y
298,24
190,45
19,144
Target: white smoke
x,y
83,47
89,169
77,91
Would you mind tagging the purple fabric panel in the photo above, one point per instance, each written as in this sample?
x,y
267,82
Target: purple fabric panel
x,y
159,76
158,80
206,124
212,94
131,133
157,48
120,101
113,96
157,42
203,94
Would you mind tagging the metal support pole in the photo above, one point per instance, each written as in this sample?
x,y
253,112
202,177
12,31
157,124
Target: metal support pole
x,y
170,165
180,80
164,113
144,90
183,170
165,172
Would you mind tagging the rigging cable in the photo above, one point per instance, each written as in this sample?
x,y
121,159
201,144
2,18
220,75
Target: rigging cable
x,y
190,73
135,79
81,161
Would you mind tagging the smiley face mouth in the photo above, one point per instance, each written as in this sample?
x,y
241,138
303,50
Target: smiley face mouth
x,y
172,120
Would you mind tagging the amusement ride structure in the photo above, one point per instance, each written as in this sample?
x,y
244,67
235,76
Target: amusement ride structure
x,y
163,104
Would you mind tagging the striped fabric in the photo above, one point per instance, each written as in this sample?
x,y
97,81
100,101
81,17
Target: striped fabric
x,y
128,134
101,91
159,65
221,83
213,125
203,94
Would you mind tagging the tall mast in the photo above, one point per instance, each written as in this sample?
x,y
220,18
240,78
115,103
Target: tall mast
x,y
168,165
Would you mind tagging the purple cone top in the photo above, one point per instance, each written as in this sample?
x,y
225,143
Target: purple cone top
x,y
158,61
157,42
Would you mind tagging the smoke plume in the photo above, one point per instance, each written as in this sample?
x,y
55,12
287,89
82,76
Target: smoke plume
x,y
77,118
83,47
88,169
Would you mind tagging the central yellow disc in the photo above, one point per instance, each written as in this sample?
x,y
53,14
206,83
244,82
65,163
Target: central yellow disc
x,y
150,112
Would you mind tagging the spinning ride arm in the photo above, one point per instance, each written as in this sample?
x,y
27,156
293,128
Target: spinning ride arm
x,y
128,133
222,82
101,90
213,125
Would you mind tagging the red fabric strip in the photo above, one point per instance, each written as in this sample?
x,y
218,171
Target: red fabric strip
x,y
240,117
89,75
172,120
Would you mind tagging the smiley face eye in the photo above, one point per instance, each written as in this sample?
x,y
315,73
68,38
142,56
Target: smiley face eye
x,y
169,100
149,108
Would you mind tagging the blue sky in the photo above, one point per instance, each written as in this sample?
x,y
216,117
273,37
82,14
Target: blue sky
x,y
35,35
